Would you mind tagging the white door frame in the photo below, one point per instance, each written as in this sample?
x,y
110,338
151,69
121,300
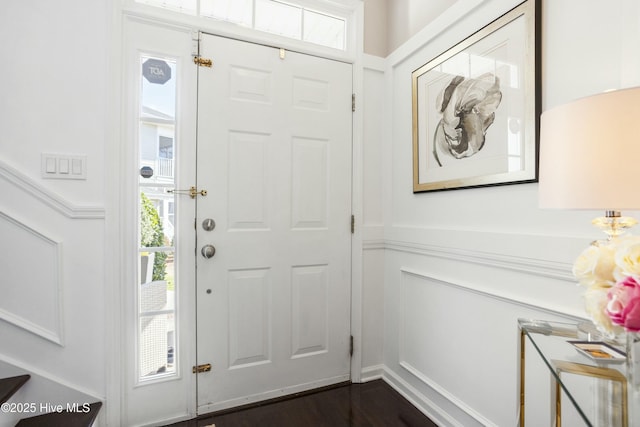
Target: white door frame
x,y
120,223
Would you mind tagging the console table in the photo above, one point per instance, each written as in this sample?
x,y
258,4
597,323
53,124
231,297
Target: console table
x,y
595,392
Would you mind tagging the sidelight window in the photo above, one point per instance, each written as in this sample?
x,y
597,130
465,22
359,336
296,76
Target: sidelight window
x,y
156,285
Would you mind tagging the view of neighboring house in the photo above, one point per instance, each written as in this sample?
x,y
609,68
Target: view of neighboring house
x,y
156,151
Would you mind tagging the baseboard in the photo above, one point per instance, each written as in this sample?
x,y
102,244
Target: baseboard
x,y
420,401
371,373
441,416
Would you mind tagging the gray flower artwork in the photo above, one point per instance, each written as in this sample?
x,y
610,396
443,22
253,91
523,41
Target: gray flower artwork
x,y
468,108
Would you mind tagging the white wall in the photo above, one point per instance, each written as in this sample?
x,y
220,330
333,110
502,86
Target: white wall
x,y
461,266
53,86
375,27
407,17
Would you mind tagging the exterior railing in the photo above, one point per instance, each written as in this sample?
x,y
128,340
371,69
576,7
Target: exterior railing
x,y
164,168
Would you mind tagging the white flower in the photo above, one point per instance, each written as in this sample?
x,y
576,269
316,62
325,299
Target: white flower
x,y
627,257
596,265
595,302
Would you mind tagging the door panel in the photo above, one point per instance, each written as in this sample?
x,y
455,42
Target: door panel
x,y
274,153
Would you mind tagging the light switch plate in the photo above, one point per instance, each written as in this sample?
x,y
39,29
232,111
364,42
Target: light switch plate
x,y
64,166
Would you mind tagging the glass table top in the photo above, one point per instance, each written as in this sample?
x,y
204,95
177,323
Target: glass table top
x,y
590,373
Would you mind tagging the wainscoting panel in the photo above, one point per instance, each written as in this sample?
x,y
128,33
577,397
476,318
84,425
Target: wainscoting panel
x,y
31,262
451,343
444,339
52,259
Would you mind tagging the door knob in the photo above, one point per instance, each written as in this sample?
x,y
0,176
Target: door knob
x,y
208,251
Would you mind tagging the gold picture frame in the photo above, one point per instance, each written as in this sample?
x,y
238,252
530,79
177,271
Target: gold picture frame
x,y
476,107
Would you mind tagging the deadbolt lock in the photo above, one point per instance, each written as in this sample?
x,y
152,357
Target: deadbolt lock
x,y
208,224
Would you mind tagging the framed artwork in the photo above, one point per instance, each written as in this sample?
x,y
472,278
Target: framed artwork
x,y
476,107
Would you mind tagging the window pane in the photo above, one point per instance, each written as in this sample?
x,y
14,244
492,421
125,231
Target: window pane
x,y
155,228
324,30
236,11
184,6
158,90
278,18
157,346
156,282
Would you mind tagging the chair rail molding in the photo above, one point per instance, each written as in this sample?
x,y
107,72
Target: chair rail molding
x,y
538,267
521,264
48,197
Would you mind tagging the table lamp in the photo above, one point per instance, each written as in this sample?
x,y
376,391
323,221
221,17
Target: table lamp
x,y
590,157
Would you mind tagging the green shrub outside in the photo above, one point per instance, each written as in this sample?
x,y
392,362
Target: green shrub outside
x,y
152,235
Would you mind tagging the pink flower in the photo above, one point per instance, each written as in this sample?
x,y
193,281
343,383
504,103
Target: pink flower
x,y
624,304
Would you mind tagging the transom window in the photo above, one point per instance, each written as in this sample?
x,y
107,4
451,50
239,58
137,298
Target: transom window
x,y
271,16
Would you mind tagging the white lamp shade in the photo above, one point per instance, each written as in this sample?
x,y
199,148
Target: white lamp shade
x,y
590,153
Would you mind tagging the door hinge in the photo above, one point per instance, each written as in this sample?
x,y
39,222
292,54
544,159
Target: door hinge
x,y
353,224
351,345
201,368
353,102
203,62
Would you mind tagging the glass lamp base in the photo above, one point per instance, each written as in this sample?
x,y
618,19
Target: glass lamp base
x,y
614,225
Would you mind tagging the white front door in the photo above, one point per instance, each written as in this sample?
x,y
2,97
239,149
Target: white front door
x,y
274,154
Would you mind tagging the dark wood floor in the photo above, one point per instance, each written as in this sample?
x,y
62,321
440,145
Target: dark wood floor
x,y
370,404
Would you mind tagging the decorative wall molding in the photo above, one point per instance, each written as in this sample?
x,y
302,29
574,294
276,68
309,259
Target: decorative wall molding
x,y
537,267
450,397
372,245
373,63
51,199
410,352
419,400
53,331
49,335
491,294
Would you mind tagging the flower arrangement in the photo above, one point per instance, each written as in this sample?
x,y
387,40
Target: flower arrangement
x,y
610,270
